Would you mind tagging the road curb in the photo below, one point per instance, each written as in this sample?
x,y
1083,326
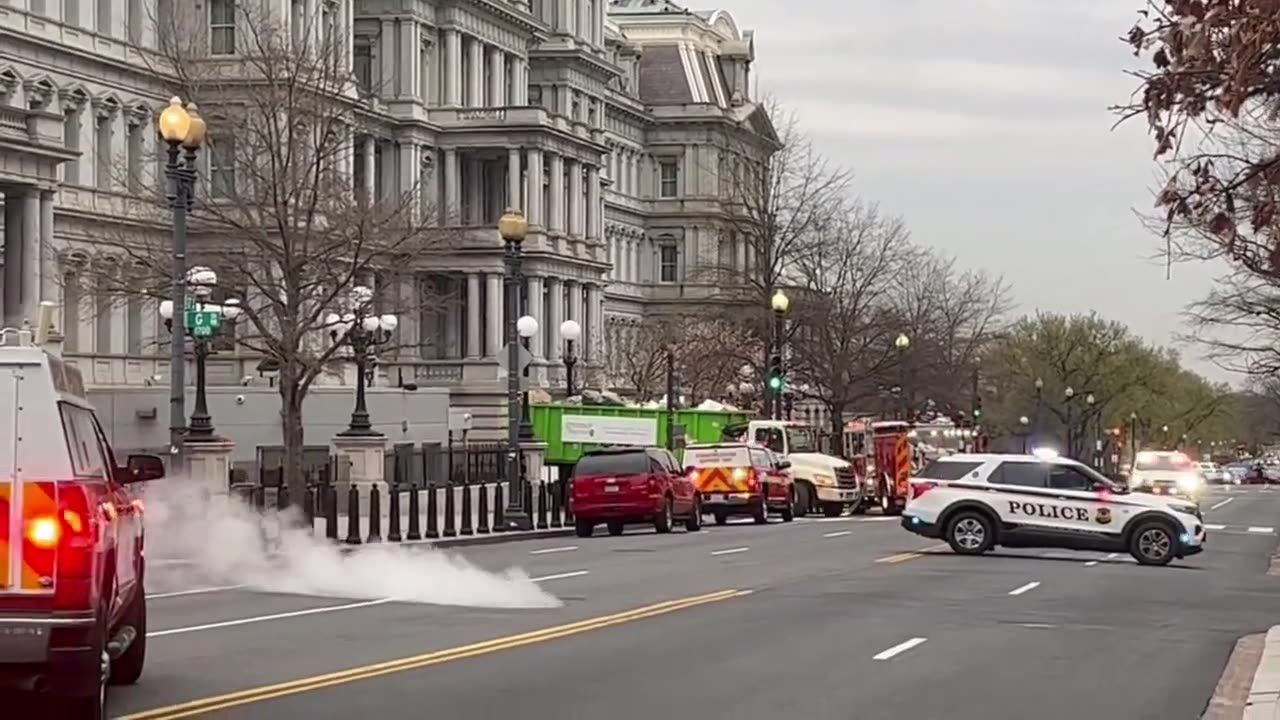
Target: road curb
x,y
469,540
1264,694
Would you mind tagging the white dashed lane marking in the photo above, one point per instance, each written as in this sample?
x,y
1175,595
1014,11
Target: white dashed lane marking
x,y
548,551
841,533
561,576
899,648
1025,588
730,551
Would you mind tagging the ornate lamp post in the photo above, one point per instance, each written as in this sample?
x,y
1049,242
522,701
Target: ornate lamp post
x,y
363,331
181,128
527,327
513,227
206,322
902,343
1089,434
779,304
570,331
1023,422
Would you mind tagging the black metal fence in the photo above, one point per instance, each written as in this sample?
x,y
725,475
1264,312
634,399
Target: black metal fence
x,y
433,492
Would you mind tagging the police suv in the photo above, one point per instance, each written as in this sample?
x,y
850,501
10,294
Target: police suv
x,y
976,502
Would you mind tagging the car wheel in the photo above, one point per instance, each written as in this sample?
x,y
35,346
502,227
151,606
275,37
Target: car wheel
x,y
93,706
789,510
693,523
584,528
616,527
1152,543
970,533
760,513
665,518
126,669
721,516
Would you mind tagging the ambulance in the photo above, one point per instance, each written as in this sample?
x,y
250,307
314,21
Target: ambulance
x,y
741,479
73,613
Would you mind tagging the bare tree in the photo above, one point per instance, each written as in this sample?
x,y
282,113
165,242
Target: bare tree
x,y
707,354
279,216
845,338
779,195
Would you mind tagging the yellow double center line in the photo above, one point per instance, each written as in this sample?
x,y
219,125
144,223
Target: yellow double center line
x,y
903,557
294,687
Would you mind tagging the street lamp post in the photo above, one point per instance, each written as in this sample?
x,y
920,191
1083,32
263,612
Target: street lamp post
x,y
570,331
363,331
1070,394
902,343
1024,421
1090,434
526,327
513,227
181,129
207,323
1035,427
780,304
1133,439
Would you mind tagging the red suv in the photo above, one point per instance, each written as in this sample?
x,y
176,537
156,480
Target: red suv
x,y
632,485
73,614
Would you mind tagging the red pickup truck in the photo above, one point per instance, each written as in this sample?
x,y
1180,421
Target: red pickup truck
x,y
73,613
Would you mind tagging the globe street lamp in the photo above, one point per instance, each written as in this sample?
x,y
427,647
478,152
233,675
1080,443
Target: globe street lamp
x,y
780,304
570,331
362,330
181,128
201,322
1035,429
1089,429
1024,421
513,227
527,327
902,343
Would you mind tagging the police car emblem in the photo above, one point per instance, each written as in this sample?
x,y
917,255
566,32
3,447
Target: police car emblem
x,y
1104,516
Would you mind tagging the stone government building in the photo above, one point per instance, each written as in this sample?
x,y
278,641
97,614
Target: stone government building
x,y
630,112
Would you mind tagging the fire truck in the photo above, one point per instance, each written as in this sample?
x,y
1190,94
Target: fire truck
x,y
885,453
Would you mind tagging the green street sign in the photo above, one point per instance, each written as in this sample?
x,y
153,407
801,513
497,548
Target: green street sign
x,y
202,323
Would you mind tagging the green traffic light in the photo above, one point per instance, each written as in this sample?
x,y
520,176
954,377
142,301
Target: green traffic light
x,y
977,413
775,383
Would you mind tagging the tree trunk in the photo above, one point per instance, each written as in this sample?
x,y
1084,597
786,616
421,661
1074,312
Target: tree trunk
x,y
291,397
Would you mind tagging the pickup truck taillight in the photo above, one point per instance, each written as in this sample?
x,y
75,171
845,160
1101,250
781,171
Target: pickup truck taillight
x,y
753,481
72,558
919,488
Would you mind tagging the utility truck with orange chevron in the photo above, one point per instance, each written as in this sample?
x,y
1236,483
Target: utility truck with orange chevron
x,y
73,614
741,479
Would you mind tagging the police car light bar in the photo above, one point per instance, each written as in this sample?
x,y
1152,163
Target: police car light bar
x,y
1045,453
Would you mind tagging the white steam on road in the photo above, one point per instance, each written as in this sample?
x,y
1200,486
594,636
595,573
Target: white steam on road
x,y
224,541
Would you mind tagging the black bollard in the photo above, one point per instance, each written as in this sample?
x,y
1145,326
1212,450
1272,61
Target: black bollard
x,y
353,516
433,512
542,506
330,496
282,498
482,514
375,515
415,524
309,506
566,495
467,527
393,512
556,520
259,498
526,504
499,517
450,512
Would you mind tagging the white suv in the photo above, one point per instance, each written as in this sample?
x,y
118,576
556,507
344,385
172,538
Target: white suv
x,y
976,502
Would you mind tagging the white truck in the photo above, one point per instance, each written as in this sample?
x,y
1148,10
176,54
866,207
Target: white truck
x,y
824,482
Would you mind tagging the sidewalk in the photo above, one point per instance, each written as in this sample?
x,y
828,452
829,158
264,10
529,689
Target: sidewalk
x,y
1264,695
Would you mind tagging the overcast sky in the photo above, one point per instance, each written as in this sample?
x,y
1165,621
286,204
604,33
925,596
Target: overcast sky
x,y
984,123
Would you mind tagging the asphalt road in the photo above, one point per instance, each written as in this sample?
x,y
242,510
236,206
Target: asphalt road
x,y
839,619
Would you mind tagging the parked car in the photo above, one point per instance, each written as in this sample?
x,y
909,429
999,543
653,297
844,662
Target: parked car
x,y
1214,474
73,611
620,486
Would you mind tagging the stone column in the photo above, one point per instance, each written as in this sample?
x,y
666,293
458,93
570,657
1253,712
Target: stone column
x,y
494,314
555,316
474,350
366,454
475,73
48,262
452,186
564,15
556,221
31,255
574,310
597,23
594,204
428,182
575,198
533,192
539,313
410,175
475,191
513,181
452,68
519,81
390,83
408,332
13,205
370,169
497,77
595,311
409,67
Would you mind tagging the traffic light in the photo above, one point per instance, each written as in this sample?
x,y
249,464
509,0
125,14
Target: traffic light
x,y
774,381
977,410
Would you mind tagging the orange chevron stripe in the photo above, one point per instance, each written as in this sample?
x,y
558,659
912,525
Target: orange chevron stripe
x,y
38,499
6,489
719,480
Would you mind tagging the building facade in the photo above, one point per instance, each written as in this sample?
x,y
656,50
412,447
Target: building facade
x,y
611,123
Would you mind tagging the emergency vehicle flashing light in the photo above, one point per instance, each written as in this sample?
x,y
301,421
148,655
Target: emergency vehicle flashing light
x,y
1045,453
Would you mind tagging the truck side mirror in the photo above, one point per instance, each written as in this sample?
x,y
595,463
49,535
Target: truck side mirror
x,y
141,468
784,464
